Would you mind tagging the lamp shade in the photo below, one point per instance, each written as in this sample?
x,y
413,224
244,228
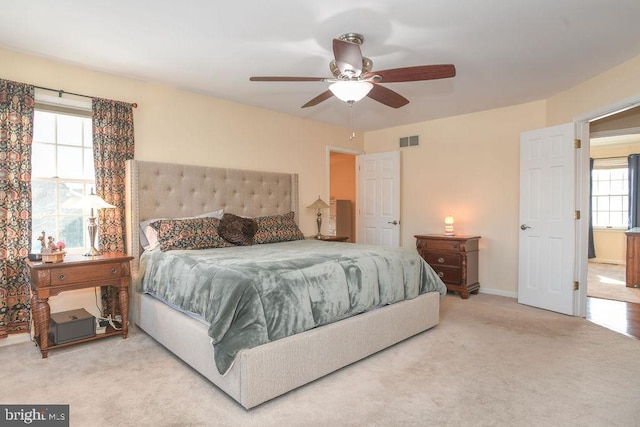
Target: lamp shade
x,y
93,201
318,204
351,90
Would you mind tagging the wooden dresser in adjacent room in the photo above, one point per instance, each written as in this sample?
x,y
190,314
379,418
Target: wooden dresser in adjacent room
x,y
454,258
633,258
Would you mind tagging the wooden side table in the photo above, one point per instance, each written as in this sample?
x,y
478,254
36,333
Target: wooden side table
x,y
633,258
455,260
327,238
333,238
78,272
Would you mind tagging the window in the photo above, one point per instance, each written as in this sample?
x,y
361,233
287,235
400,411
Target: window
x,y
610,193
62,173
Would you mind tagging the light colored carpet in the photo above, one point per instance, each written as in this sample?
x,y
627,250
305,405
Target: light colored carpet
x,y
490,362
607,281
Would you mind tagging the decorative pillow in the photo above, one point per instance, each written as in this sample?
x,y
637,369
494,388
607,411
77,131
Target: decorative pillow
x,y
277,228
149,236
237,230
192,233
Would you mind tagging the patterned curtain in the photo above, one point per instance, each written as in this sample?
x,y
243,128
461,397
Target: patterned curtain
x,y
16,133
112,145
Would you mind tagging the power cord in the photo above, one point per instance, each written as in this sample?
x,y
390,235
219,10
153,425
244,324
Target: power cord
x,y
108,318
111,321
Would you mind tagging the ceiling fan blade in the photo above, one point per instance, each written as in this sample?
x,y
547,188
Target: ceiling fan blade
x,y
348,57
288,79
412,74
387,96
318,99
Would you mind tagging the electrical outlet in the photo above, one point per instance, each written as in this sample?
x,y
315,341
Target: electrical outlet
x,y
101,326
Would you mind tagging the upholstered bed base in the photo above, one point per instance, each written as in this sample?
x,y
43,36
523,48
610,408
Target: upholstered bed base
x,y
259,374
262,373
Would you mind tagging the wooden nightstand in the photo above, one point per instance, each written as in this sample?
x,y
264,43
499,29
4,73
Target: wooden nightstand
x,y
334,238
326,238
454,258
78,272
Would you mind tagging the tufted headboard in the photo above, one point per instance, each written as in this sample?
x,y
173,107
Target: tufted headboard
x,y
167,190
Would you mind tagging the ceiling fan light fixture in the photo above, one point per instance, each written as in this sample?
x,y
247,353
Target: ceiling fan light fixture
x,y
350,90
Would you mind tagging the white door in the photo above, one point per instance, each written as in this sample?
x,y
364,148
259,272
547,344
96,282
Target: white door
x,y
547,218
378,200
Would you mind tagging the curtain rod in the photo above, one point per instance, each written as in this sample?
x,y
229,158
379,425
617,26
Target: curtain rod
x,y
62,92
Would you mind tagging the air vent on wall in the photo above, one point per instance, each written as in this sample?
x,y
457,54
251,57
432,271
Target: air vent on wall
x,y
409,141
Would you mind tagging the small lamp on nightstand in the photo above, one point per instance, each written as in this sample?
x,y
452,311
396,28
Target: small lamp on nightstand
x,y
448,226
93,201
319,204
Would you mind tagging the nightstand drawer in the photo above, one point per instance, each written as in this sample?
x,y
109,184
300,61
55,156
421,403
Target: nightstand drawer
x,y
452,276
441,245
442,258
107,272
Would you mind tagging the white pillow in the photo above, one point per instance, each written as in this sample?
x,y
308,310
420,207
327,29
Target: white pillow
x,y
149,236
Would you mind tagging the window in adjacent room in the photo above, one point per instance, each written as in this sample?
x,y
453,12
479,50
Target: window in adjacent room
x,y
62,173
610,193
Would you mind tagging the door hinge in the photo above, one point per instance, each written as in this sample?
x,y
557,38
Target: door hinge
x,y
576,215
576,286
577,143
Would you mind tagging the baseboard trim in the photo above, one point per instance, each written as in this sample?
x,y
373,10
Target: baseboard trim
x,y
606,261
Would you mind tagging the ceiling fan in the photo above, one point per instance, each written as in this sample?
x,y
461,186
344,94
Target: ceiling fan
x,y
353,79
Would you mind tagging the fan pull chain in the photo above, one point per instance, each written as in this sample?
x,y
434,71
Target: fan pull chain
x,y
352,133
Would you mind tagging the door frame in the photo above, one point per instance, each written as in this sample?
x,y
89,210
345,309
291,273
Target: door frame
x,y
582,190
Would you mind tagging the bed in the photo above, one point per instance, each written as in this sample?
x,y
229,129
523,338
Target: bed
x,y
266,370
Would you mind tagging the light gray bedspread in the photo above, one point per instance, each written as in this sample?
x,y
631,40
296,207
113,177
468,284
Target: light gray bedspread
x,y
251,295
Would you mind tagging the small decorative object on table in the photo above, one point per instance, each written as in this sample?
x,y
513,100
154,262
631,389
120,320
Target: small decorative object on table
x,y
52,251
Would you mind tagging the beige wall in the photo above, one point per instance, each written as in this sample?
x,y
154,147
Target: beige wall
x,y
604,90
468,167
173,125
176,126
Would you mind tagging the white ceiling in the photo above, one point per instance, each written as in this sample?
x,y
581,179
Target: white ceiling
x,y
506,52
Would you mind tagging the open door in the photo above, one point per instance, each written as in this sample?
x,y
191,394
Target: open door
x,y
547,243
379,198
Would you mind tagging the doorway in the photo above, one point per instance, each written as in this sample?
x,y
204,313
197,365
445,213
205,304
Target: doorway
x,y
341,174
616,113
612,139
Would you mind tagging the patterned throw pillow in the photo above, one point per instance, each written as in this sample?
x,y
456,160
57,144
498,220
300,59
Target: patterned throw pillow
x,y
277,228
192,233
237,230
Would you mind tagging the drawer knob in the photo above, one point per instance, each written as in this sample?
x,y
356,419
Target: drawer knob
x,y
114,270
440,260
441,274
61,277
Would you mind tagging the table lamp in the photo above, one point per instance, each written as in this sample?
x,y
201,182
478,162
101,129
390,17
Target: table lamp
x,y
319,204
448,226
93,201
